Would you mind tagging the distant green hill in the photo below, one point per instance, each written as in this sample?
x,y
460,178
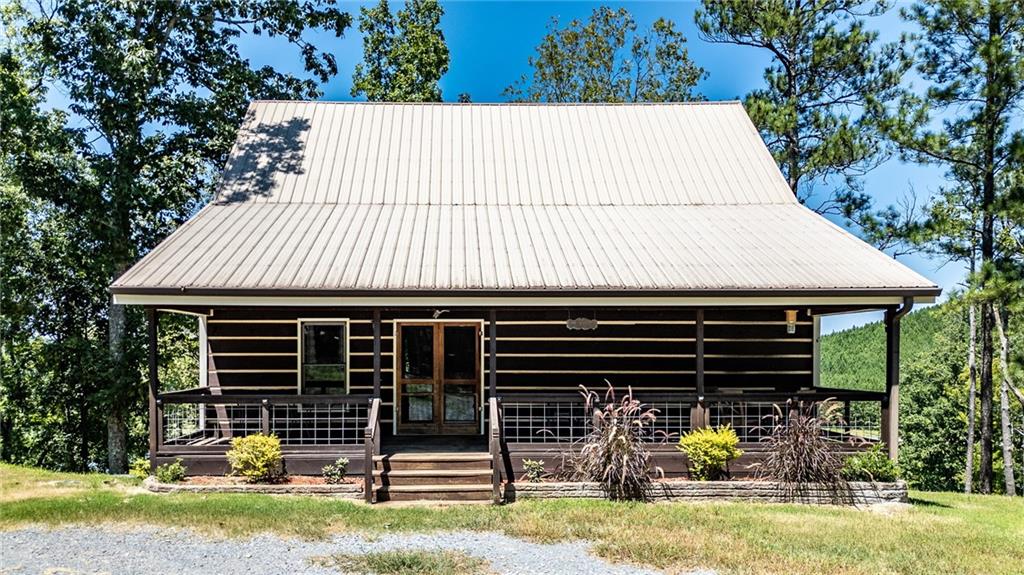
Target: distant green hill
x,y
855,358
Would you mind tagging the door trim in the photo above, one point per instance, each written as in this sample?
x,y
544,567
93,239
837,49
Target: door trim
x,y
396,407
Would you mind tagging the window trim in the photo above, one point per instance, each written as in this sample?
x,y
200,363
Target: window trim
x,y
302,322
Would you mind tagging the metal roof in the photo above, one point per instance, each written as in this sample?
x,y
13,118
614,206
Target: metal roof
x,y
337,197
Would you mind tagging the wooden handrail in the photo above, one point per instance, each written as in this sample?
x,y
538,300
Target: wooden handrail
x,y
277,399
495,447
808,395
371,447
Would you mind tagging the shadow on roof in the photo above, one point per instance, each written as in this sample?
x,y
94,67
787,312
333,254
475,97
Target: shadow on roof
x,y
265,152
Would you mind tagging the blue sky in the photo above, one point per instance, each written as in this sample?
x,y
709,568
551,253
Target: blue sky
x,y
490,43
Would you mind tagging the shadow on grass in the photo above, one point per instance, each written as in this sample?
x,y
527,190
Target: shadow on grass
x,y
918,502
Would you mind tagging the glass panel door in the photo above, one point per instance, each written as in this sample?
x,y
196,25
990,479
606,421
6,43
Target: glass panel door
x,y
438,377
461,383
417,382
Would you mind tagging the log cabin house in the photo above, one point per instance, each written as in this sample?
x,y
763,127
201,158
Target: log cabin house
x,y
422,288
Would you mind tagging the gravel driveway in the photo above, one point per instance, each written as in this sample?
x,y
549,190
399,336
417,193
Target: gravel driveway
x,y
93,551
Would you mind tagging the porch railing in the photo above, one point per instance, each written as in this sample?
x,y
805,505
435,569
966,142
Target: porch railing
x,y
563,418
199,420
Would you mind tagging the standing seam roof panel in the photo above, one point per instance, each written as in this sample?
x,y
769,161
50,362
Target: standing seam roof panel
x,y
564,197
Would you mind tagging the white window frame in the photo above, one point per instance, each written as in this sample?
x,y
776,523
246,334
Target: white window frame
x,y
302,321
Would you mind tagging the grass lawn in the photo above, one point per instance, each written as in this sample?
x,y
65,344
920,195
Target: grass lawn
x,y
939,533
406,563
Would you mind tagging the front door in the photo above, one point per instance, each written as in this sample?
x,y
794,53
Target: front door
x,y
438,377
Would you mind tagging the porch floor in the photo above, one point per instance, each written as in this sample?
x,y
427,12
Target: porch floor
x,y
392,445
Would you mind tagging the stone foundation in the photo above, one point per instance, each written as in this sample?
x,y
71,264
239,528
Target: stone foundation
x,y
854,493
344,490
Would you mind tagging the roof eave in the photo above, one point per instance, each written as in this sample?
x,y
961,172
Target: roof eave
x,y
920,293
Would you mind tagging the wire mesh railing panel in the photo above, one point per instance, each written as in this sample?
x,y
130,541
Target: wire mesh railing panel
x,y
858,421
545,421
569,421
752,420
672,422
319,423
199,424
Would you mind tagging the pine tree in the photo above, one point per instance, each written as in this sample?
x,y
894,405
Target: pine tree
x,y
825,67
967,121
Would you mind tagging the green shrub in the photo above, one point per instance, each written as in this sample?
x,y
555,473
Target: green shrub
x,y
709,452
533,470
257,458
140,468
334,473
871,465
170,472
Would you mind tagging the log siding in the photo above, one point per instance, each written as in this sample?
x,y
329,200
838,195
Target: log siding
x,y
651,350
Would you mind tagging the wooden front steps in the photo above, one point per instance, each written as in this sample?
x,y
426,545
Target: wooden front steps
x,y
435,476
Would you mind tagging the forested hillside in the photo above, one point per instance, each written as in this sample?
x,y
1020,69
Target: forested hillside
x,y
933,388
855,358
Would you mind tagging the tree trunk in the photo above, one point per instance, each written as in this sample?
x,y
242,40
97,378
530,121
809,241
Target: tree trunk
x,y
1004,402
972,375
117,431
990,121
986,422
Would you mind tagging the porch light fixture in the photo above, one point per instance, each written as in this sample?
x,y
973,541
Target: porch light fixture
x,y
791,321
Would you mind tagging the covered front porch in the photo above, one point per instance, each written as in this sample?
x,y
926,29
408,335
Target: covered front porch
x,y
513,391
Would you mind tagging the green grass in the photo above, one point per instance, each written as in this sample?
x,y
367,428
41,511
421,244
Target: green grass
x,y
939,533
406,563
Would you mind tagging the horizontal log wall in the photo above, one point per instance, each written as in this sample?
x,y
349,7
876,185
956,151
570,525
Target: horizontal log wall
x,y
652,350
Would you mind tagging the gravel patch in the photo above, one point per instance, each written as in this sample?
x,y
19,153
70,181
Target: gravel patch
x,y
144,551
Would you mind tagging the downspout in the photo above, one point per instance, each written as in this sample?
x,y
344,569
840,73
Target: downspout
x,y
891,403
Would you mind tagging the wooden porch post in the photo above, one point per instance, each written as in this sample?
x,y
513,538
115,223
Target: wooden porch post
x,y
154,413
492,355
698,414
891,403
376,353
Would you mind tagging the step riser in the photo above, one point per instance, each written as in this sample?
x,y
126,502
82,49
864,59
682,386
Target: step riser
x,y
430,465
435,496
434,480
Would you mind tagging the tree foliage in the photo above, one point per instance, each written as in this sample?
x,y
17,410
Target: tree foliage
x,y
967,120
608,59
52,362
825,66
933,390
404,54
159,89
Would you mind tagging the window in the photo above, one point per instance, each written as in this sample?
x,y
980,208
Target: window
x,y
324,358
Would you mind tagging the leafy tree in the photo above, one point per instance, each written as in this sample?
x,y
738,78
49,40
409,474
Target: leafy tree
x,y
404,54
825,67
970,53
161,87
49,368
607,59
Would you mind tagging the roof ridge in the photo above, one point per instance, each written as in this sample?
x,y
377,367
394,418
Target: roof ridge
x,y
510,104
